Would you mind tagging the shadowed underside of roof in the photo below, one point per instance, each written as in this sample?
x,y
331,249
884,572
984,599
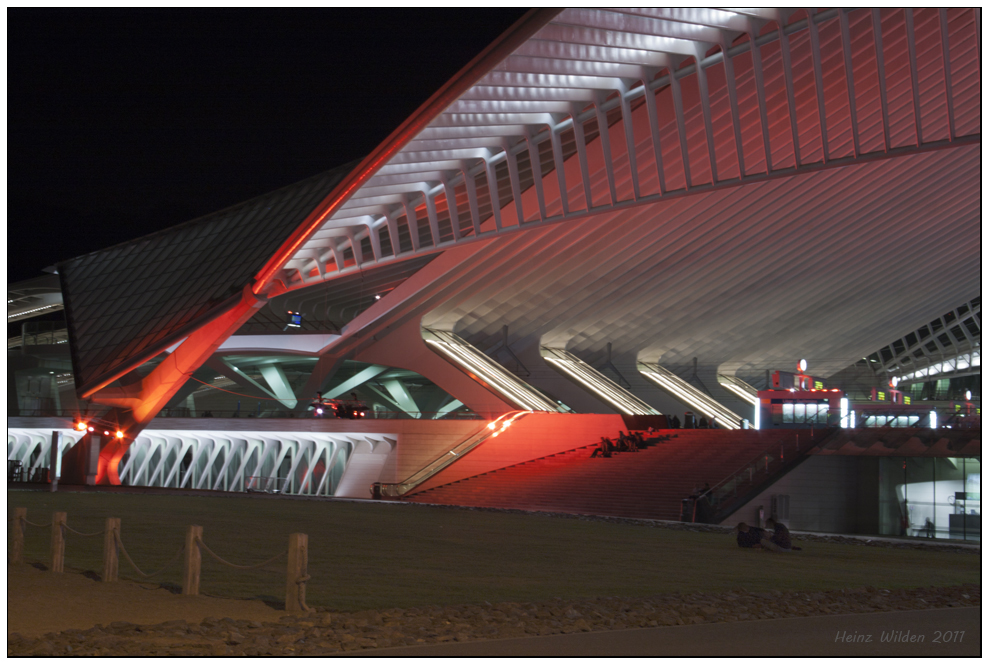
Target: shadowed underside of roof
x,y
825,266
127,303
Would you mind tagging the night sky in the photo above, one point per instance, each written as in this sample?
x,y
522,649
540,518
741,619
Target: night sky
x,y
123,122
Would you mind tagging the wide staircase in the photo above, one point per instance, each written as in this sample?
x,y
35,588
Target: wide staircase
x,y
649,483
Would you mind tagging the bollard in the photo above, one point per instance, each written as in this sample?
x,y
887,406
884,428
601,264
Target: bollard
x,y
58,543
110,560
17,546
298,573
193,561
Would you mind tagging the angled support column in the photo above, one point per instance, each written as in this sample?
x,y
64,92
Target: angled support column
x,y
276,378
157,388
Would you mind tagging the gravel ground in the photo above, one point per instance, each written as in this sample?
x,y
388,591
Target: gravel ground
x,y
324,632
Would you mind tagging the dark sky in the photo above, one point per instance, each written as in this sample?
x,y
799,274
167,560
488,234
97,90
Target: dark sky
x,y
122,122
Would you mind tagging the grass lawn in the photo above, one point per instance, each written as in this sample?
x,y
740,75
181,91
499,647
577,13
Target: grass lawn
x,y
365,555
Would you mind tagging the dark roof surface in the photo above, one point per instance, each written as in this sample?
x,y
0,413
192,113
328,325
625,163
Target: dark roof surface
x,y
133,300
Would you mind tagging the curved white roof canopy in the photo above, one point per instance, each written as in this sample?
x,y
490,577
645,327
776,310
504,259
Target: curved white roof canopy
x,y
814,87
672,258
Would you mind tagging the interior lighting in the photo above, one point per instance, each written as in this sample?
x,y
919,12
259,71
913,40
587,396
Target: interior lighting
x,y
933,419
120,434
802,365
91,428
491,425
968,395
106,433
31,311
377,297
844,411
81,426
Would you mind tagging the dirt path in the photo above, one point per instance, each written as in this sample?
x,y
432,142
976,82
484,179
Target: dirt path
x,y
39,602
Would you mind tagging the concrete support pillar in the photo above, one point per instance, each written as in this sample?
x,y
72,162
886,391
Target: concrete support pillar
x,y
54,460
93,457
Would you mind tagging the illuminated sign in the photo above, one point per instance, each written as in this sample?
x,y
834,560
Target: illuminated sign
x,y
818,385
881,397
906,399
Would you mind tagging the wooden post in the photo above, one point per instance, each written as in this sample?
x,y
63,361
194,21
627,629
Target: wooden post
x,y
298,573
58,543
17,547
193,560
111,563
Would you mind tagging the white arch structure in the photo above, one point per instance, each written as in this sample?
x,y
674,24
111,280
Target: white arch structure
x,y
294,463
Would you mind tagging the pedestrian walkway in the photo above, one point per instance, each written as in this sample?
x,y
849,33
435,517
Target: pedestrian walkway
x,y
939,633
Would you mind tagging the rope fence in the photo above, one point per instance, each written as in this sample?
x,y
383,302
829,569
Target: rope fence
x,y
127,557
84,535
297,574
233,565
41,526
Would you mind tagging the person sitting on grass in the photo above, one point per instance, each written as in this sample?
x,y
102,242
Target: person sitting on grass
x,y
781,536
753,537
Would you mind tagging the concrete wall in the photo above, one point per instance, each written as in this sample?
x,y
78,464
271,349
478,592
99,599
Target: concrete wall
x,y
833,494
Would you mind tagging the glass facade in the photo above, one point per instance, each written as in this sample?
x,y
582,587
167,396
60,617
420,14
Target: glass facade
x,y
799,412
39,371
931,497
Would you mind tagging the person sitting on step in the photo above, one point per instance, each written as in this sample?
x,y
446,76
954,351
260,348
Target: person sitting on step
x,y
603,449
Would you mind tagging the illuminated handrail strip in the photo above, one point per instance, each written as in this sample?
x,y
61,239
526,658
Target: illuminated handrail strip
x,y
739,387
690,395
597,383
488,371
